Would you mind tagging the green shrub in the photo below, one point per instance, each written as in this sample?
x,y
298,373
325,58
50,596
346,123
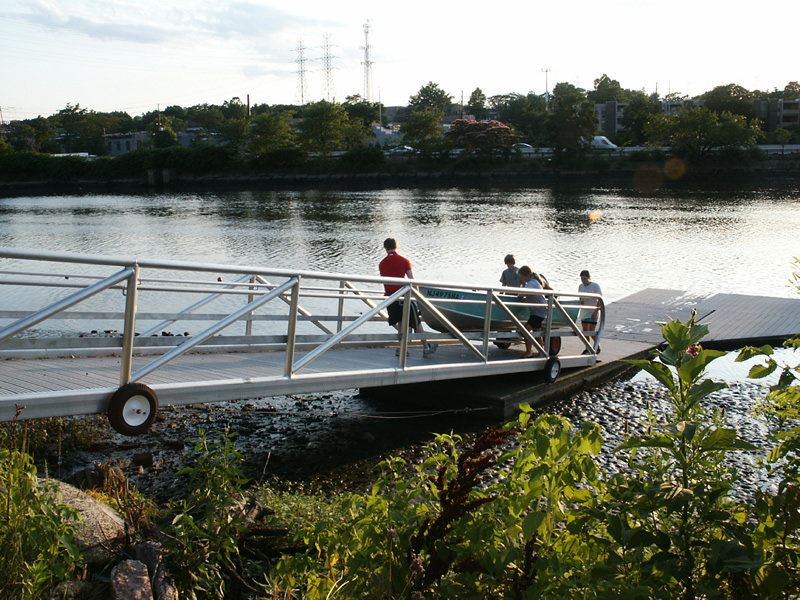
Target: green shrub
x,y
35,531
202,539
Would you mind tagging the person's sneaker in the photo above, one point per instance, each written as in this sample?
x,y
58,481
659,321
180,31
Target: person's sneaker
x,y
397,352
429,350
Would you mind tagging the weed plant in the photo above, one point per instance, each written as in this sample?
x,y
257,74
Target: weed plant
x,y
528,513
36,531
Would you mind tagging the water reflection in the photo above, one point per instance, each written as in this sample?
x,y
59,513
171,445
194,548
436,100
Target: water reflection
x,y
699,240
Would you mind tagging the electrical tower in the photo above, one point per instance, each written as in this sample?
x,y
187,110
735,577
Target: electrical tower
x,y
302,85
328,91
367,65
546,72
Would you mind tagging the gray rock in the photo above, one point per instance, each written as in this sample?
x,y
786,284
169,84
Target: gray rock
x,y
130,581
100,532
162,584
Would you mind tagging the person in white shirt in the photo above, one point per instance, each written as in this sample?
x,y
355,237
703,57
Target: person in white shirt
x,y
587,286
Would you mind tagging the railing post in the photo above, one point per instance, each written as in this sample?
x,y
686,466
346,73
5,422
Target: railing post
x,y
248,327
129,332
340,314
291,331
404,327
548,328
487,322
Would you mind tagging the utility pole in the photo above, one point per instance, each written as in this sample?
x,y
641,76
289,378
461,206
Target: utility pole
x,y
328,91
546,70
367,64
302,85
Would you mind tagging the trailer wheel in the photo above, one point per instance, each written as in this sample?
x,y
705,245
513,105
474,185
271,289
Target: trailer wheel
x,y
555,345
552,369
503,345
132,409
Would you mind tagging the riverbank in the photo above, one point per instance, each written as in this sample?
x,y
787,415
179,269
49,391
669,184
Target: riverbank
x,y
332,443
644,177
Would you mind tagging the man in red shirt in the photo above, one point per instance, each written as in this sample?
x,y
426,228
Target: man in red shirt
x,y
395,265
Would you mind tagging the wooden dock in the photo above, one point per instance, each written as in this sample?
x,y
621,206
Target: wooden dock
x,y
734,320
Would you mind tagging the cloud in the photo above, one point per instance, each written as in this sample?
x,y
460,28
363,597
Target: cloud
x,y
149,22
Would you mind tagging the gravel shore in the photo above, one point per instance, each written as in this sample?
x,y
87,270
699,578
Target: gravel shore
x,y
333,441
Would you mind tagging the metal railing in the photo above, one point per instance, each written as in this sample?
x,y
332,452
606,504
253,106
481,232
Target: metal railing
x,y
305,314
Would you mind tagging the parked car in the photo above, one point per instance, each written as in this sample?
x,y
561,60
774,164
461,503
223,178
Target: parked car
x,y
601,142
401,151
523,148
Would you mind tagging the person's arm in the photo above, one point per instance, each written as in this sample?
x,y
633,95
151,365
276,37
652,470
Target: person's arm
x,y
410,274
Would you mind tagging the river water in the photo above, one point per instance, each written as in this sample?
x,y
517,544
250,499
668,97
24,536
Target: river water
x,y
701,240
697,240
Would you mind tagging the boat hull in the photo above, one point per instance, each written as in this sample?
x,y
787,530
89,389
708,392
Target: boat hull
x,y
467,311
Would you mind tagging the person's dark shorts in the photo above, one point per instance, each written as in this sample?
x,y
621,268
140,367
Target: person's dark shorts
x,y
395,311
589,322
535,322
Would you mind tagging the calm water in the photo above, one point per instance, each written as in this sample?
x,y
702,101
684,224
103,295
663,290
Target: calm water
x,y
698,240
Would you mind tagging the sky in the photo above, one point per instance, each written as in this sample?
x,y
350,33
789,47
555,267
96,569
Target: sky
x,y
141,55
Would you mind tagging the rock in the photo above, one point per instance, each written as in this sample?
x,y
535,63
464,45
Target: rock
x,y
100,532
69,590
162,584
130,581
86,478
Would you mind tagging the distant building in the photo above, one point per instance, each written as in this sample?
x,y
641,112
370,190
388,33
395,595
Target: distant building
x,y
122,143
777,113
774,113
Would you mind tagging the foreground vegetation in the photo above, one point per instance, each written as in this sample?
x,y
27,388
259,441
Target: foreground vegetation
x,y
522,512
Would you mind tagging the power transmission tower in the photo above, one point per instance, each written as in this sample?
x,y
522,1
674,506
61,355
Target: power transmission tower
x,y
302,85
328,91
367,64
546,70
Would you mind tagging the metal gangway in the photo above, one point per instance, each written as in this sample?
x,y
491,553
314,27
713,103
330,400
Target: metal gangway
x,y
87,334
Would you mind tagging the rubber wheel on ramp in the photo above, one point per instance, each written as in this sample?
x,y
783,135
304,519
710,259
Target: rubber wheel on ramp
x,y
552,369
132,409
555,345
503,345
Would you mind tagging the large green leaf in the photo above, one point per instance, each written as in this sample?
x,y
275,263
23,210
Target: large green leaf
x,y
658,370
724,439
693,368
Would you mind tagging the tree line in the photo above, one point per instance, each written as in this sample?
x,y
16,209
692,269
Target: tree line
x,y
562,119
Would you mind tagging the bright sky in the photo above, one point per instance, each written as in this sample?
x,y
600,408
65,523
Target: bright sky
x,y
137,55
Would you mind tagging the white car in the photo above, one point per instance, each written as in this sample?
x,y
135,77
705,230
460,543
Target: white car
x,y
523,148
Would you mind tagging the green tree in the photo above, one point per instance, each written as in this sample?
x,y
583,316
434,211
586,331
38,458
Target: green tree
x,y
431,97
82,130
234,109
695,133
526,114
162,133
730,98
323,127
791,91
359,109
782,137
638,113
422,125
483,137
607,89
234,132
206,116
269,132
571,118
476,105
